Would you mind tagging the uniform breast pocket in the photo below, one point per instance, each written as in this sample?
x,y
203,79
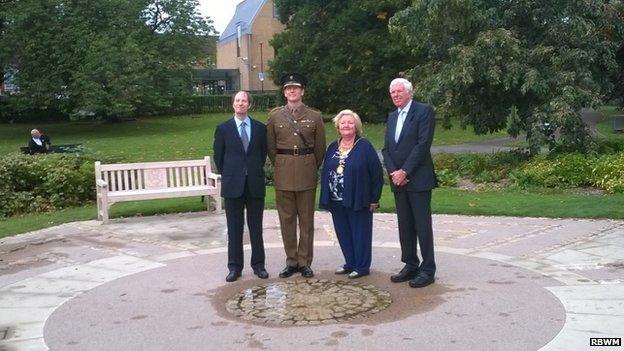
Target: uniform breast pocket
x,y
308,129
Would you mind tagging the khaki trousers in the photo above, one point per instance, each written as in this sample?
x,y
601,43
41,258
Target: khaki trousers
x,y
293,205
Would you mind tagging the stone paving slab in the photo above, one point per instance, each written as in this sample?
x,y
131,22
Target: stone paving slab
x,y
158,283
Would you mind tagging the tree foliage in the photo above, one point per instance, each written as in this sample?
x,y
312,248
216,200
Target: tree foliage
x,y
344,49
103,59
526,65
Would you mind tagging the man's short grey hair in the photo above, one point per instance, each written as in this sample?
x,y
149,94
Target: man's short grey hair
x,y
406,84
32,132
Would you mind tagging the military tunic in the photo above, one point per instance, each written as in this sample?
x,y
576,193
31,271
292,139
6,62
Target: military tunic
x,y
295,175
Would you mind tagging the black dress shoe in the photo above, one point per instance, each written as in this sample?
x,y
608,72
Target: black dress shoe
x,y
403,276
355,275
232,276
288,271
261,273
342,270
421,280
306,272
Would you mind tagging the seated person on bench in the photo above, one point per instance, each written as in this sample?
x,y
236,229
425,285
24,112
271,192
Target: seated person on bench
x,y
38,143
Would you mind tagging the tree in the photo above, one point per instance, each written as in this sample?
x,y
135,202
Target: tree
x,y
344,49
618,78
104,59
526,65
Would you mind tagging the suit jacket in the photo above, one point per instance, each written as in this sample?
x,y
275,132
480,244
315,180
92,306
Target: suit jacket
x,y
412,152
36,149
234,163
295,173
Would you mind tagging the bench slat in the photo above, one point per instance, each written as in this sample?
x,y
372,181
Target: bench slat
x,y
126,180
119,181
150,165
170,193
196,176
113,181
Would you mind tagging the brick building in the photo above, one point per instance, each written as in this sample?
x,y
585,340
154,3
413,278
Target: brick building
x,y
244,45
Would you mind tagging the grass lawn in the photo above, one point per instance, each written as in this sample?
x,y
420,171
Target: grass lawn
x,y
445,200
173,138
189,137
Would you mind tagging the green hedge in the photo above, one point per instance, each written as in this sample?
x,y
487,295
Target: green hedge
x,y
608,173
218,103
573,170
42,183
481,168
548,171
10,109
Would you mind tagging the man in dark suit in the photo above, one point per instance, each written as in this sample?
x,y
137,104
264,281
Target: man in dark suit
x,y
38,143
407,157
240,150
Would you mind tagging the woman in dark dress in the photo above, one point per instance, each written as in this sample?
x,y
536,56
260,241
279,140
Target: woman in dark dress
x,y
351,184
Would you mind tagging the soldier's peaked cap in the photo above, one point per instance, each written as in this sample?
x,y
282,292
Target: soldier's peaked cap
x,y
293,79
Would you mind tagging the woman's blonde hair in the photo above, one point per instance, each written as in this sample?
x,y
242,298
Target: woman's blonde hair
x,y
358,121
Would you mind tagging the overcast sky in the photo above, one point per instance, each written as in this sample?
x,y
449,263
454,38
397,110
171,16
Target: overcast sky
x,y
220,11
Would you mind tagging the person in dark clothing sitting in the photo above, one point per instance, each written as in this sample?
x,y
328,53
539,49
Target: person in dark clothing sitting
x,y
38,143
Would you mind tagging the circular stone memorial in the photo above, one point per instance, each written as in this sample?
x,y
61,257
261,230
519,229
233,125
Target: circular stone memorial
x,y
307,302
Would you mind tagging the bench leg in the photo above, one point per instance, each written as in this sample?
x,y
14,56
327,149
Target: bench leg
x,y
103,212
217,203
98,201
218,208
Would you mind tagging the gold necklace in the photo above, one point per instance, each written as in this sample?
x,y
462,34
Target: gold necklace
x,y
343,152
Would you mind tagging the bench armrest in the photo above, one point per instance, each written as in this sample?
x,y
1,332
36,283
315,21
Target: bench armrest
x,y
213,175
101,184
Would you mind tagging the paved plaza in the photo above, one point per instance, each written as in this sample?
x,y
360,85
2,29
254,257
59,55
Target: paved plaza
x,y
158,283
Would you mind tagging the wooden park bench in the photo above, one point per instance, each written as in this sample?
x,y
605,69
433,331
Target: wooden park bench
x,y
63,148
155,180
618,123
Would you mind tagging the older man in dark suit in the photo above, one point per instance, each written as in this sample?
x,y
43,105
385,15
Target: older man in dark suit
x,y
407,157
240,150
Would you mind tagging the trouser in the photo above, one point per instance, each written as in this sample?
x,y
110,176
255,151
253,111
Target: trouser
x,y
415,228
293,206
354,230
234,214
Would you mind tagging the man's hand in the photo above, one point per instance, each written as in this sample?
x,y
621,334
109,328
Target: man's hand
x,y
373,207
399,177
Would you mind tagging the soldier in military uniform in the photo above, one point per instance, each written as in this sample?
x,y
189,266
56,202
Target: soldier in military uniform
x,y
296,147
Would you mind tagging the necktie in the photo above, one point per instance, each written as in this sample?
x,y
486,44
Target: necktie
x,y
243,135
399,125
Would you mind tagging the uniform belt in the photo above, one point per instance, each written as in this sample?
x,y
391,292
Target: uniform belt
x,y
295,152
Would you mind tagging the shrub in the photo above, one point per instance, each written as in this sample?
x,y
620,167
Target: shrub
x,y
559,171
608,173
217,103
40,183
477,167
447,178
